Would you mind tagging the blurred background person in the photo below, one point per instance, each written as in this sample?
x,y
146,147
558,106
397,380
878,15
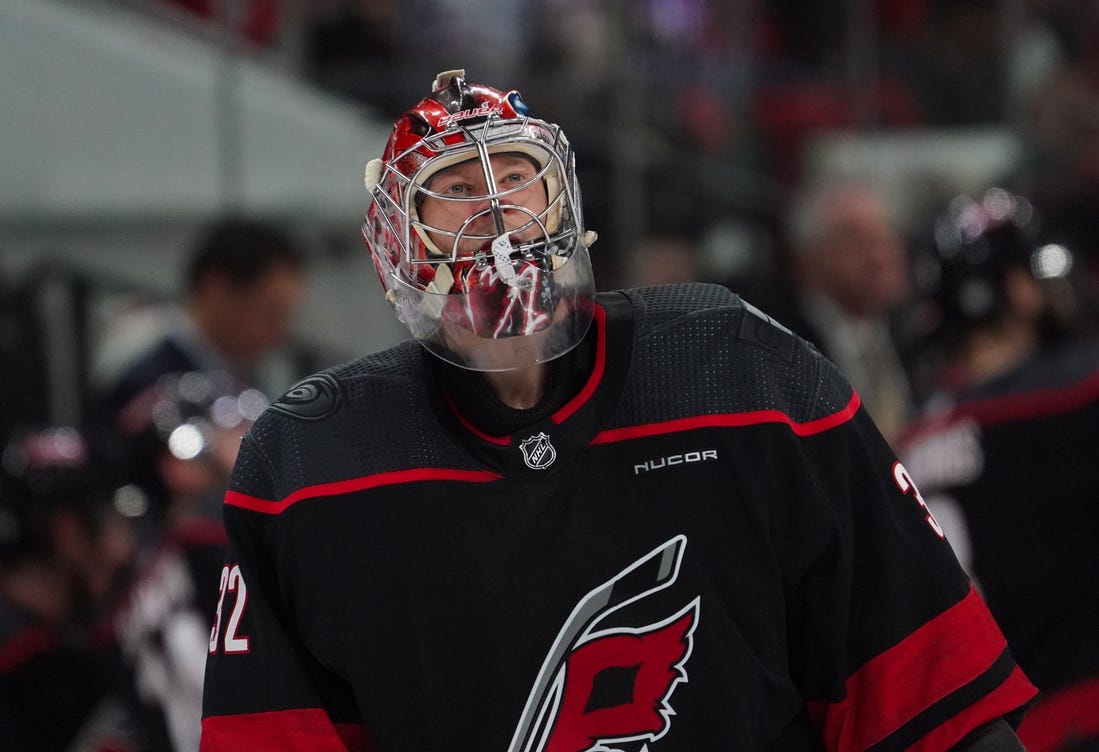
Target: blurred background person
x,y
1005,452
663,259
352,47
182,436
1060,126
111,548
242,288
258,21
848,280
68,542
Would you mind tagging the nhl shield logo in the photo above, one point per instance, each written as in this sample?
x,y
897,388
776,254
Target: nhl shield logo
x,y
538,452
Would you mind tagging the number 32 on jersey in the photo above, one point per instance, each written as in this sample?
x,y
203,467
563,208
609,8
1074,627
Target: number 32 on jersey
x,y
231,582
908,488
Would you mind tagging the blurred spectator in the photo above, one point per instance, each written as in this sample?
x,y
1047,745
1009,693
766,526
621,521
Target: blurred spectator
x,y
22,357
68,540
1006,454
111,547
183,435
352,48
820,75
848,279
243,286
1061,135
258,21
956,65
662,259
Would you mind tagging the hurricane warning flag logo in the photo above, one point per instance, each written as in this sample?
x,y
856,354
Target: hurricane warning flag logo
x,y
611,686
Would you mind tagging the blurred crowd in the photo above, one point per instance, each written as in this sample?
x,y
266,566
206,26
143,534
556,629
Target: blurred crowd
x,y
692,113
942,312
111,541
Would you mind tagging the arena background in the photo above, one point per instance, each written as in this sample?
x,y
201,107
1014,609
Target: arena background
x,y
127,124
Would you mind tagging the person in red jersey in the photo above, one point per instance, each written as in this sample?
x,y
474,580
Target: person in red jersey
x,y
560,520
1005,452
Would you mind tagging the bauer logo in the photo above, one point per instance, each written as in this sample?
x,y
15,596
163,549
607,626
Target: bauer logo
x,y
686,458
484,110
538,452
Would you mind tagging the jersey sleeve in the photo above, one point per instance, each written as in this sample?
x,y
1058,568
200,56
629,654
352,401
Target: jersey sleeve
x,y
262,688
891,644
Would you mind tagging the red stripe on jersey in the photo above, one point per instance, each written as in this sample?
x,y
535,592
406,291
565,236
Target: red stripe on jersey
x,y
728,420
303,730
894,687
497,440
572,406
354,737
268,506
1021,406
1061,717
1015,692
585,394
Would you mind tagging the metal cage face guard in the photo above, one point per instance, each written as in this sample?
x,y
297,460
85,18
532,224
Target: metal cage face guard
x,y
543,145
511,284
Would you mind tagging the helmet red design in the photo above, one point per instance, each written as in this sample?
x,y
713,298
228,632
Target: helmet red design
x,y
475,229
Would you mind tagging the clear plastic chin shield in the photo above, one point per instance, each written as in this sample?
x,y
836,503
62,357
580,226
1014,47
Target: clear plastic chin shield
x,y
476,231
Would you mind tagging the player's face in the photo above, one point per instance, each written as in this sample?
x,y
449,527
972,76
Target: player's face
x,y
251,320
863,263
466,181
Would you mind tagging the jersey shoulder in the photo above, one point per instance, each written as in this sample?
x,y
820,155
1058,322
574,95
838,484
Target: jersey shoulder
x,y
355,383
702,349
366,416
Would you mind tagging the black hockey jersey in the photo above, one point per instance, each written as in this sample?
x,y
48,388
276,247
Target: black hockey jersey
x,y
1014,462
709,547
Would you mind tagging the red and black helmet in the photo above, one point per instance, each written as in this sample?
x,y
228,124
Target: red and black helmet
x,y
976,241
509,270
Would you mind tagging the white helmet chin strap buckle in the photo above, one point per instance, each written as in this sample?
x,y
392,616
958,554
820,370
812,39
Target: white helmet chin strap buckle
x,y
501,254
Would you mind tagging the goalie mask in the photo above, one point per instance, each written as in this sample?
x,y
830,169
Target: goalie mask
x,y
476,232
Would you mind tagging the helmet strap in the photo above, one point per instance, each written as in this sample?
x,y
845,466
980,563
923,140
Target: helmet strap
x,y
501,254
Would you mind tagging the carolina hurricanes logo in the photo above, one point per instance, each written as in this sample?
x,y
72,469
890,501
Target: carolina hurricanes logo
x,y
611,686
538,452
617,685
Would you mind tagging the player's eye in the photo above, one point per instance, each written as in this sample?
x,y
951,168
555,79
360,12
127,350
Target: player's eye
x,y
455,189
